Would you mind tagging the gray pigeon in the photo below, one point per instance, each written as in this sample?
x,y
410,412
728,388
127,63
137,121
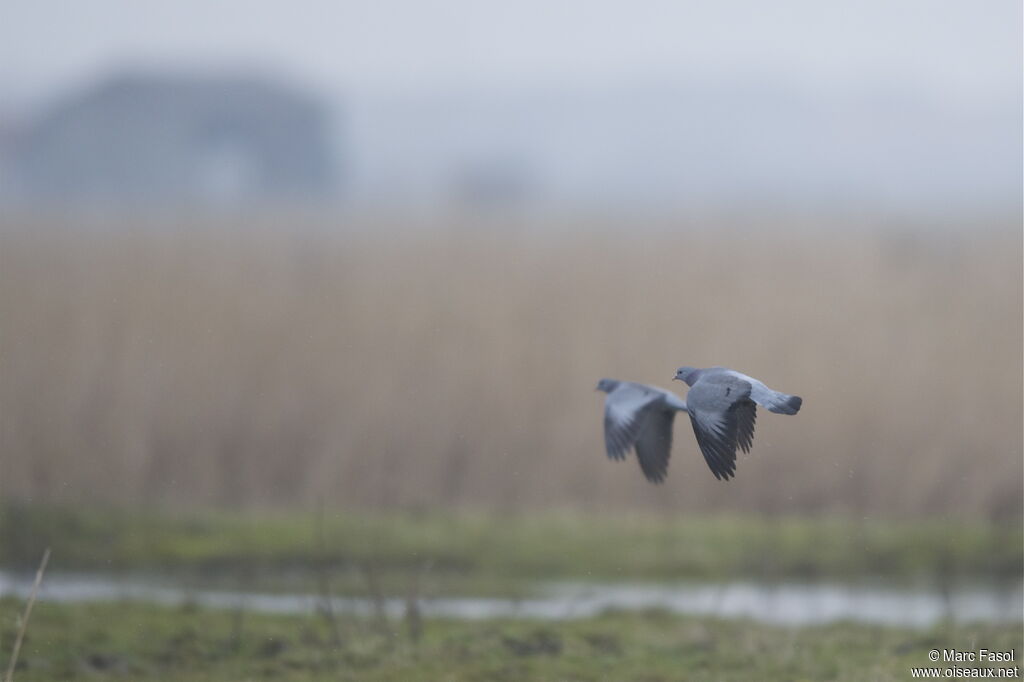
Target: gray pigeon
x,y
722,408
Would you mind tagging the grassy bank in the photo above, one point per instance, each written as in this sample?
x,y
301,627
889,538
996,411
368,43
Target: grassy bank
x,y
141,642
475,552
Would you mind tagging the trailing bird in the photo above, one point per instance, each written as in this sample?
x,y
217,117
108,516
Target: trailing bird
x,y
722,405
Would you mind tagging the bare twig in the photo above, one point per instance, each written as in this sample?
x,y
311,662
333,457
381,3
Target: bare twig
x,y
376,594
323,580
237,626
413,615
24,619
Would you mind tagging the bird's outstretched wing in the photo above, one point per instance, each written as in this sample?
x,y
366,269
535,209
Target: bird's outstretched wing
x,y
654,445
746,417
626,412
723,417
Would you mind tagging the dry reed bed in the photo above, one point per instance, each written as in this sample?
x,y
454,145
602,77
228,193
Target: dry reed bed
x,y
381,366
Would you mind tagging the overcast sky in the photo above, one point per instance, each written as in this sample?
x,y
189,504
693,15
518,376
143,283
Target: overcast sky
x,y
910,102
949,49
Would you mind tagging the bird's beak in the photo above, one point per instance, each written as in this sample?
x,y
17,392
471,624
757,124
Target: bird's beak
x,y
675,378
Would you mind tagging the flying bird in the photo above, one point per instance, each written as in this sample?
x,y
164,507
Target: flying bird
x,y
722,405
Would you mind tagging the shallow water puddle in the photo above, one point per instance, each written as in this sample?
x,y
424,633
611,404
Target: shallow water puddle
x,y
780,604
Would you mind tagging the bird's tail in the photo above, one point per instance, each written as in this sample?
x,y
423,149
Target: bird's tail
x,y
785,404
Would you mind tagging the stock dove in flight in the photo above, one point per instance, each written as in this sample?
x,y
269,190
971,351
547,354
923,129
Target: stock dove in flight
x,y
722,408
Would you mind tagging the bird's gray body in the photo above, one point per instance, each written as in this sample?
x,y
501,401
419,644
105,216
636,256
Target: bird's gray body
x,y
722,405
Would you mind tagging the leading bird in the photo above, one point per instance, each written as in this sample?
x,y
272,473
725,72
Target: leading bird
x,y
722,404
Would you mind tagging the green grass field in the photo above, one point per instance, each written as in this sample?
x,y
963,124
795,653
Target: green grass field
x,y
130,641
464,553
477,553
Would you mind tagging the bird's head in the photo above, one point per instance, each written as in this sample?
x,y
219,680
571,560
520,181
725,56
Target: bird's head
x,y
687,374
606,385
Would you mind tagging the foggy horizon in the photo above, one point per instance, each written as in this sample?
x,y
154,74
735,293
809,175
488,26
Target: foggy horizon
x,y
913,107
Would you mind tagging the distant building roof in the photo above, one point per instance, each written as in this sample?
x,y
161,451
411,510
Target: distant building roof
x,y
160,137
